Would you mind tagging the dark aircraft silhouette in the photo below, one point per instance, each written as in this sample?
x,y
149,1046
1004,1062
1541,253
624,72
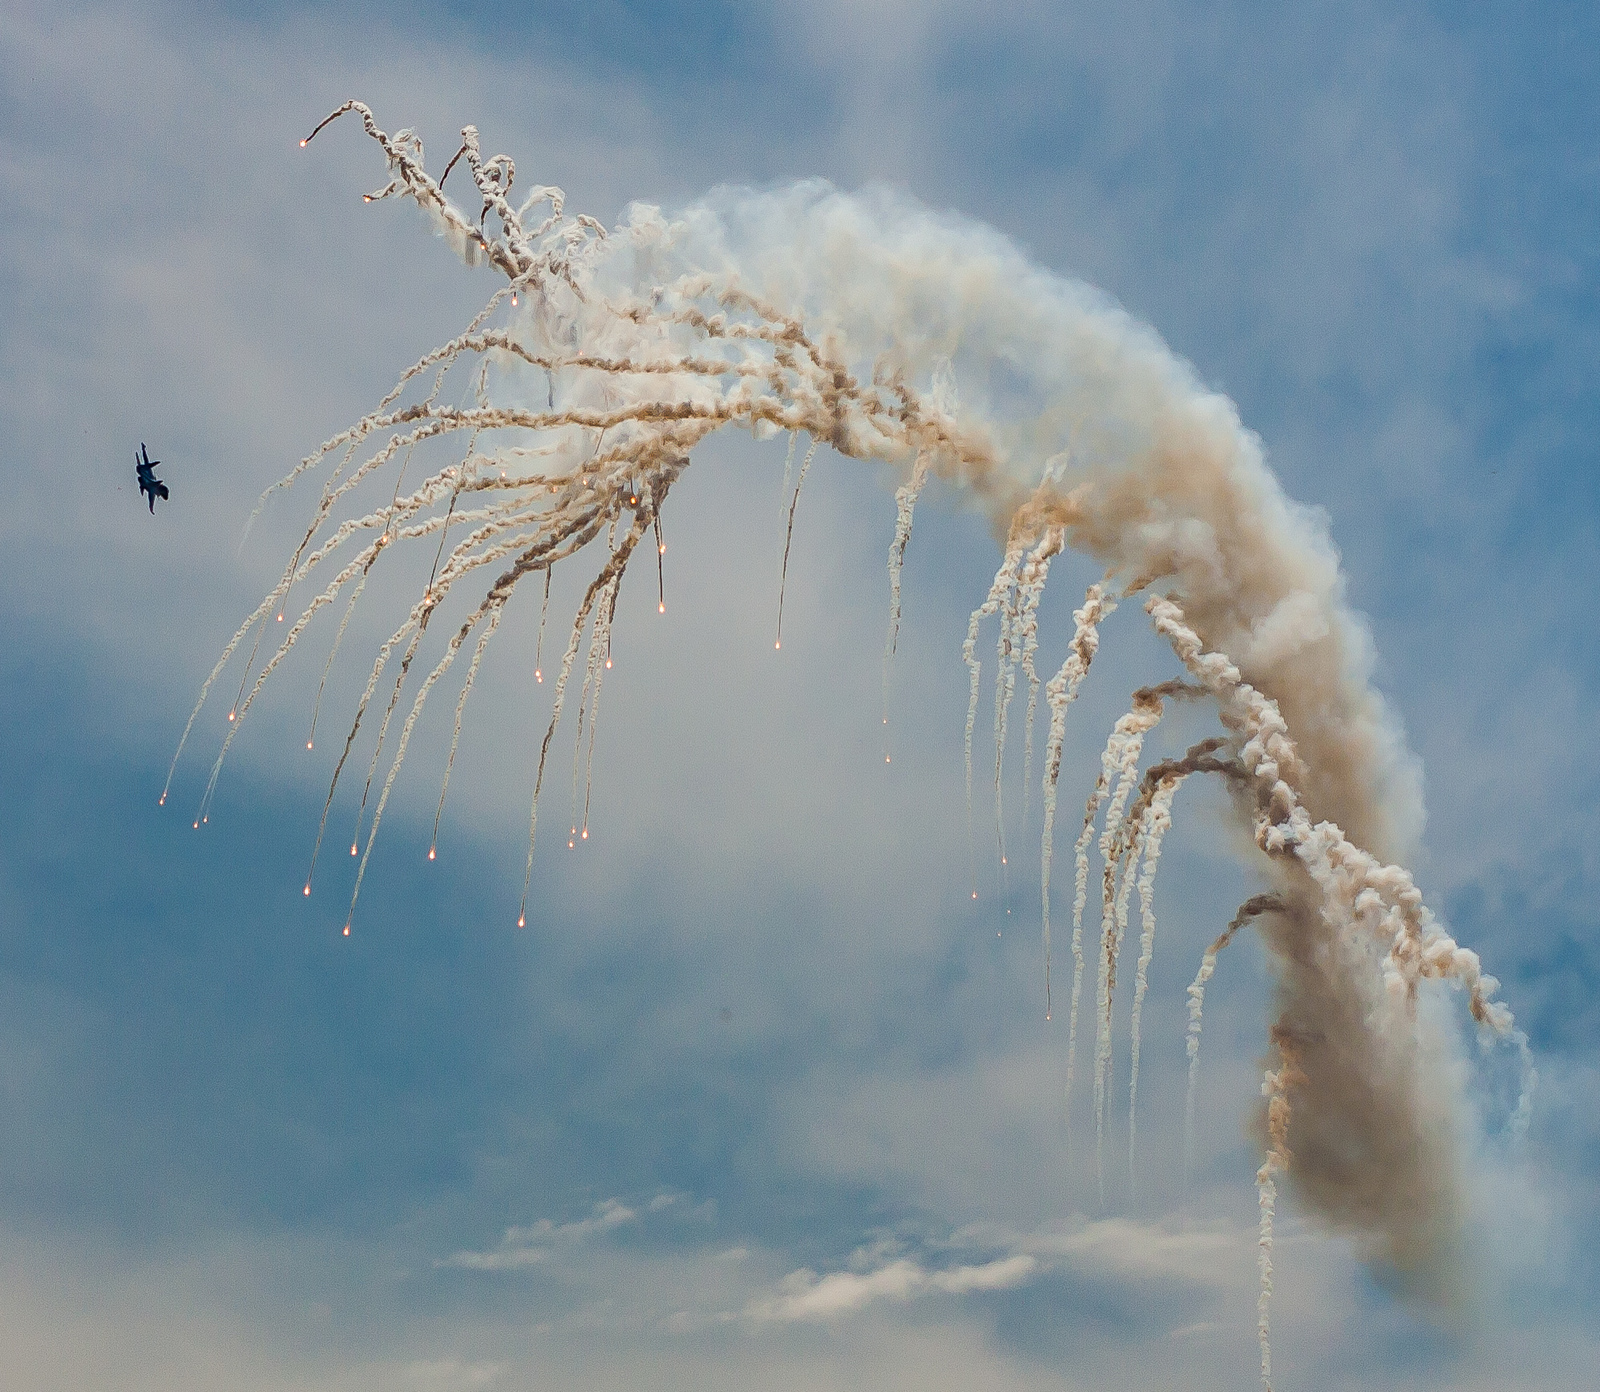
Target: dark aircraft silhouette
x,y
148,482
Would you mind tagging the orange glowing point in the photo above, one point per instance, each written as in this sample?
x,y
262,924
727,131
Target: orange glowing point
x,y
347,926
308,744
586,833
608,664
661,608
280,618
163,801
885,758
662,551
205,819
230,716
365,198
1003,861
538,676
571,844
432,851
974,894
307,890
197,824
353,851
522,920
302,144
513,302
776,646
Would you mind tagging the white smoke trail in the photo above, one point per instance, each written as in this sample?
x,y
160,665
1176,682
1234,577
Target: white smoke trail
x,y
1252,908
1029,592
850,318
1120,850
1060,692
905,503
788,535
1005,685
1004,580
1275,1088
1157,818
1149,818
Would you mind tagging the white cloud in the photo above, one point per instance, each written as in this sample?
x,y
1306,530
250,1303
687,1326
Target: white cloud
x,y
1124,1249
804,1295
521,1247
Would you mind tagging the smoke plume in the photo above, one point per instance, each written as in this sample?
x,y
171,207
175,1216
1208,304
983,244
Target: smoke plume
x,y
930,343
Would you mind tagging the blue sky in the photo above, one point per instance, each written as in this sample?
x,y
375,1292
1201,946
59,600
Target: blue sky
x,y
757,1028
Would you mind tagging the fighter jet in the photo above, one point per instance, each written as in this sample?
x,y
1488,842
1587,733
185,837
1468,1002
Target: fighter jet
x,y
148,482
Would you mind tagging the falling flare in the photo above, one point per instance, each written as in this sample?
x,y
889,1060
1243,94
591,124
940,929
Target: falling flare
x,y
307,890
432,851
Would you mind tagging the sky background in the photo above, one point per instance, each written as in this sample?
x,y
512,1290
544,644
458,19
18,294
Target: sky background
x,y
756,1026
